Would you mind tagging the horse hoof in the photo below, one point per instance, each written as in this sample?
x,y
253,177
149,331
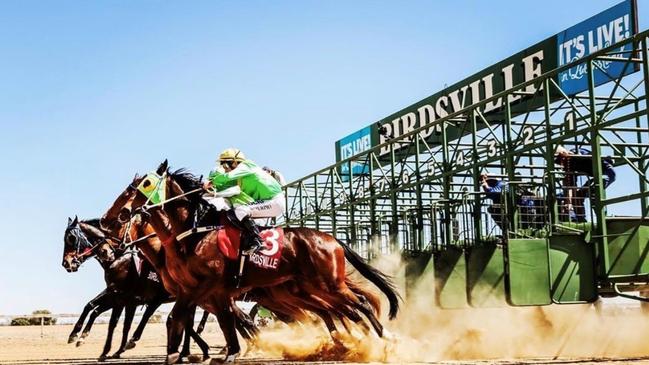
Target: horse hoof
x,y
115,355
195,359
173,358
80,342
101,358
230,358
130,344
72,338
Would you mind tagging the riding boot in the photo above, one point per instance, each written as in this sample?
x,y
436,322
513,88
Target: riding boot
x,y
252,242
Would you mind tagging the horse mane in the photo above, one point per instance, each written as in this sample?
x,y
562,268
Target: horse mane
x,y
92,227
93,222
186,179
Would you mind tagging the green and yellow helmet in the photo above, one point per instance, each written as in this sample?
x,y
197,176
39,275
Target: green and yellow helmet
x,y
232,154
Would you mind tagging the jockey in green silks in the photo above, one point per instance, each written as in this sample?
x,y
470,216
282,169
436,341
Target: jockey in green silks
x,y
252,192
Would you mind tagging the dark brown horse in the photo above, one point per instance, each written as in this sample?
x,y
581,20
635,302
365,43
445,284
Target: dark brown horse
x,y
312,262
126,286
142,236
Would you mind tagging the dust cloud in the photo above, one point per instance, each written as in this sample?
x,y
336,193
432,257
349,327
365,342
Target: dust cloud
x,y
423,332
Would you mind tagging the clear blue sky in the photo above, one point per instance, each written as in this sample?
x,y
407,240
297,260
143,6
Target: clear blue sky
x,y
93,91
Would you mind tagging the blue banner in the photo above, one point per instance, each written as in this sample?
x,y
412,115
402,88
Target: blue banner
x,y
600,31
352,145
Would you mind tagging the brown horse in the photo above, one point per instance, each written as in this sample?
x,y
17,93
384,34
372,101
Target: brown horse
x,y
126,287
283,300
142,236
313,261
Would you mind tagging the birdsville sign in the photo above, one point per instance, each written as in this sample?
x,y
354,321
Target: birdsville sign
x,y
602,30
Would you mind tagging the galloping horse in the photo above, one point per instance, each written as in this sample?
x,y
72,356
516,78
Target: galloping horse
x,y
312,262
126,286
278,299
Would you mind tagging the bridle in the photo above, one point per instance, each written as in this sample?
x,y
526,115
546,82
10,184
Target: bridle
x,y
127,240
84,247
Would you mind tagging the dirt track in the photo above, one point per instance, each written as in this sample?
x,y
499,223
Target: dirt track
x,y
24,345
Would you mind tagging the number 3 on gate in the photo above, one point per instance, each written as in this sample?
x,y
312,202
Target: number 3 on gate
x,y
274,244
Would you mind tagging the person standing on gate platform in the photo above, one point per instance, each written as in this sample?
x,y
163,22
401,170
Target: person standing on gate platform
x,y
252,192
494,189
575,163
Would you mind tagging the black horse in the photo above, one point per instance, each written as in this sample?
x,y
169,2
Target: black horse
x,y
130,282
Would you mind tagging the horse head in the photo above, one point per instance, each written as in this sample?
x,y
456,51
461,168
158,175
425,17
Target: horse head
x,y
83,240
151,190
120,211
71,245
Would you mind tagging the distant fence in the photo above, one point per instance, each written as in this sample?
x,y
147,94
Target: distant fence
x,y
69,318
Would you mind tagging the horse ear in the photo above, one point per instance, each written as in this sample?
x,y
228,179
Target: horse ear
x,y
163,167
75,221
69,221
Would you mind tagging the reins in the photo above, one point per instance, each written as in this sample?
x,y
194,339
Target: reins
x,y
146,207
127,234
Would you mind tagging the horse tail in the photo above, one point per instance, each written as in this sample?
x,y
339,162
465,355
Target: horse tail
x,y
382,281
371,297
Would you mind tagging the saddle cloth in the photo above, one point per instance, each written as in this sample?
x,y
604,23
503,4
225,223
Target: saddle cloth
x,y
229,241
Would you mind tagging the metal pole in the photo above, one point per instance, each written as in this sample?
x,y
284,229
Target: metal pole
x,y
600,195
477,224
332,197
510,199
316,206
446,188
420,209
645,73
352,219
394,227
301,186
374,227
549,160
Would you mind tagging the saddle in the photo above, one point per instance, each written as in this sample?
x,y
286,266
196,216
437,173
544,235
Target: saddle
x,y
229,242
229,235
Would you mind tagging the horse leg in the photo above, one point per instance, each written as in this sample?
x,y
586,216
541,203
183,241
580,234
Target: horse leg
x,y
190,333
201,324
226,322
244,323
101,308
129,313
355,303
320,308
364,307
114,317
92,304
245,326
175,327
189,323
344,321
148,312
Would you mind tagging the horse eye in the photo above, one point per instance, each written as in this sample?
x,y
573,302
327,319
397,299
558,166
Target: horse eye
x,y
72,239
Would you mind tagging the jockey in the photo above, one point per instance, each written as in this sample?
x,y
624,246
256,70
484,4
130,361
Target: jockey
x,y
252,192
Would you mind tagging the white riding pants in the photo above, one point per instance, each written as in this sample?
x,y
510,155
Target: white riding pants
x,y
266,209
